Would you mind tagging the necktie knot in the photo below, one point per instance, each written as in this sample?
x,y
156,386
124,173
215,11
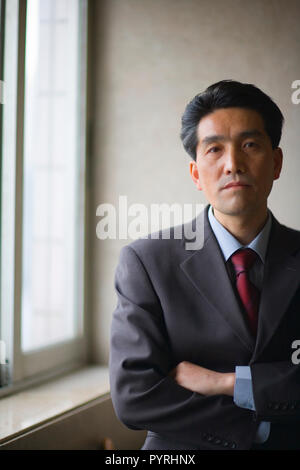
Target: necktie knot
x,y
243,260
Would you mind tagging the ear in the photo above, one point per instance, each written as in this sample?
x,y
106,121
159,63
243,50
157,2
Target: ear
x,y
278,156
195,175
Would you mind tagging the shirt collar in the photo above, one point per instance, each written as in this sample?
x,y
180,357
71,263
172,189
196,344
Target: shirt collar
x,y
229,244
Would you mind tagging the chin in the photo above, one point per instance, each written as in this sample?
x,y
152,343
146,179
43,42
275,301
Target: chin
x,y
234,209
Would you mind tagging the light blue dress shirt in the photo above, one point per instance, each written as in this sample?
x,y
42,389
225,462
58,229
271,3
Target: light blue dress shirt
x,y
243,393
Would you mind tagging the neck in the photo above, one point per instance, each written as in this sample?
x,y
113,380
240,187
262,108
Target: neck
x,y
244,227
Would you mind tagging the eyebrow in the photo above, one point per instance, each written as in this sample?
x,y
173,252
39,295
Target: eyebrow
x,y
217,138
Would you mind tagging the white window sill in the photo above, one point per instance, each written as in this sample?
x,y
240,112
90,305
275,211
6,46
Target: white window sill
x,y
30,408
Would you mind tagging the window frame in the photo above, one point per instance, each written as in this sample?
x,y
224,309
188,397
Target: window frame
x,y
33,366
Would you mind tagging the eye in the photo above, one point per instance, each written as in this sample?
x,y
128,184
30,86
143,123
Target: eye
x,y
250,144
213,149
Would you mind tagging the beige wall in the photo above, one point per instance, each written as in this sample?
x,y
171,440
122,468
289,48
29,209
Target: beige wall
x,y
149,58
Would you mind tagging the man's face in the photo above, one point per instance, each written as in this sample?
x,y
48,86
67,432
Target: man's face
x,y
233,147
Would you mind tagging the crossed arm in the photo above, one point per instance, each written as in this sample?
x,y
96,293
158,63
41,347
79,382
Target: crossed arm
x,y
203,381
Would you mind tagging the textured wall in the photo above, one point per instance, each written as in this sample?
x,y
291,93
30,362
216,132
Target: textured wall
x,y
149,58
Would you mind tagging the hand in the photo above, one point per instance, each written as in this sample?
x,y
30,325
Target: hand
x,y
203,381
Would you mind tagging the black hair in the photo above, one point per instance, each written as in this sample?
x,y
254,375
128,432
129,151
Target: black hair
x,y
229,94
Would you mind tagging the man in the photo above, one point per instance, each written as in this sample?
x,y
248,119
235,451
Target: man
x,y
201,340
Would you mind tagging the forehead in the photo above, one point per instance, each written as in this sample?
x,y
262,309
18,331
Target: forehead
x,y
229,122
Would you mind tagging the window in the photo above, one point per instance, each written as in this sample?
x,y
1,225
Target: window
x,y
43,186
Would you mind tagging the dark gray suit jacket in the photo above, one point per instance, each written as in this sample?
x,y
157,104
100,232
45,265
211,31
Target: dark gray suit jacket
x,y
176,304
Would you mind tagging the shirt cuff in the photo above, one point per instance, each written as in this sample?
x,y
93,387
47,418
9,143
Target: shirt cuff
x,y
243,393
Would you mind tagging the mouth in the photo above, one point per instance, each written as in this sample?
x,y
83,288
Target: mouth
x,y
236,186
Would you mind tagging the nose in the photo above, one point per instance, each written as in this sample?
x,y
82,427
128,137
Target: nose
x,y
234,161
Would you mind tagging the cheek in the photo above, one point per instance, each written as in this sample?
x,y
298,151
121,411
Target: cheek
x,y
210,184
208,172
264,179
205,177
265,172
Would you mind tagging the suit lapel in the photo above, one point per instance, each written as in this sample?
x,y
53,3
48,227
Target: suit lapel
x,y
281,281
206,270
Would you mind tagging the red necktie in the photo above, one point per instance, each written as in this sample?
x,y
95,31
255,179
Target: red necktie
x,y
242,261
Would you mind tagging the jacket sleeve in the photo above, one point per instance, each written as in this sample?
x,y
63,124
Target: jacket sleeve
x,y
276,391
143,394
